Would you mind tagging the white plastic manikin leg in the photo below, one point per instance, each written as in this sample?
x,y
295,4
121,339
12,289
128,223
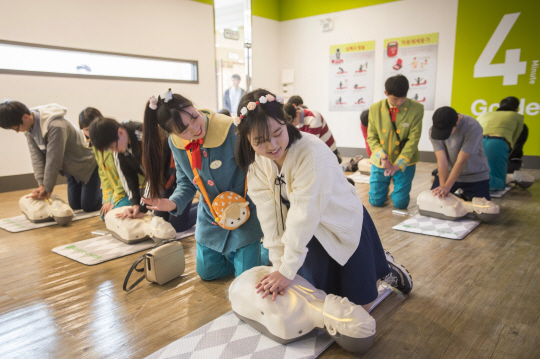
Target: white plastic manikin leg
x,y
134,230
452,207
300,311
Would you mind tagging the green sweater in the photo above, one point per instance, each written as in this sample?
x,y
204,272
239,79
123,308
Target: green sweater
x,y
383,140
111,185
507,124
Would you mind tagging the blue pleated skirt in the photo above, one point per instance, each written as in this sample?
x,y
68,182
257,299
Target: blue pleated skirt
x,y
357,279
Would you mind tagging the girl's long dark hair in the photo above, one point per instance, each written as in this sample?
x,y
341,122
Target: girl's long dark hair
x,y
257,121
158,123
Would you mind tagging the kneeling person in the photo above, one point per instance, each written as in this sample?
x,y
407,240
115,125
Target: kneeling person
x,y
461,162
56,146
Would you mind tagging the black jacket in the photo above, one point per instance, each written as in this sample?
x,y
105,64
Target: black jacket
x,y
130,167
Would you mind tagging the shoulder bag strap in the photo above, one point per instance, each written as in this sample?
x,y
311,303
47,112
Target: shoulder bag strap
x,y
134,267
200,182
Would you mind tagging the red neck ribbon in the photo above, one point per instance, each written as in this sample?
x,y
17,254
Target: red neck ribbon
x,y
393,113
195,148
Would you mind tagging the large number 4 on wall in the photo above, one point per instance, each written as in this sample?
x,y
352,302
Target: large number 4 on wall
x,y
511,67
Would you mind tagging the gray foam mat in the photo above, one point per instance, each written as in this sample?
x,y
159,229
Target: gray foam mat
x,y
21,223
227,337
457,229
104,248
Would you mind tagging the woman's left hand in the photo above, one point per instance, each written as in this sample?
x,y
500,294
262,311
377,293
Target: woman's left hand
x,y
273,283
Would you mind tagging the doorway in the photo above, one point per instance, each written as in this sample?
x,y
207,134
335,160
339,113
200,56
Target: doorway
x,y
233,49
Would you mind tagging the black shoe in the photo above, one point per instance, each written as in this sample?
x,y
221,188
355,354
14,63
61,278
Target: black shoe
x,y
398,277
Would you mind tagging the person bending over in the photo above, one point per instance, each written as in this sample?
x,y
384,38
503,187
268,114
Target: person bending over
x,y
461,162
56,146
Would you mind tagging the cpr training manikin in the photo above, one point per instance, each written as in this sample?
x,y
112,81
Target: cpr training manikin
x,y
301,310
46,210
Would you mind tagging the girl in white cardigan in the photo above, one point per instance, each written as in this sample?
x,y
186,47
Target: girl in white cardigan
x,y
313,222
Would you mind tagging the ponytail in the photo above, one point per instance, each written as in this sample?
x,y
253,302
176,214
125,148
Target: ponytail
x,y
165,119
152,152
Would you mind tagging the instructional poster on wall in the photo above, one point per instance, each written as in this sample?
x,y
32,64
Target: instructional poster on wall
x,y
352,76
416,58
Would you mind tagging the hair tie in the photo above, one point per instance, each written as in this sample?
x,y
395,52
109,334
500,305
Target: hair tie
x,y
153,103
167,96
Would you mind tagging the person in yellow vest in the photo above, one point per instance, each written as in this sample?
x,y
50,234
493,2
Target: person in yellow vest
x,y
394,129
114,195
502,129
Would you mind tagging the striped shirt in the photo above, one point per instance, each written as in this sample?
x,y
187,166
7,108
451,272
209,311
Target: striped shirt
x,y
313,122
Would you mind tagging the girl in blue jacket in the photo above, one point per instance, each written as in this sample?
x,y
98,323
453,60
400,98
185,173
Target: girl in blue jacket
x,y
220,252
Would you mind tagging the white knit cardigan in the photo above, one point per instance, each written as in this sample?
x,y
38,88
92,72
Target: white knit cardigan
x,y
323,204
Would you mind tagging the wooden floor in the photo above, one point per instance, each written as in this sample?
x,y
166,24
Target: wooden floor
x,y
476,298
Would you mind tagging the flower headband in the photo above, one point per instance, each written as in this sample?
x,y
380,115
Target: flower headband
x,y
165,97
252,105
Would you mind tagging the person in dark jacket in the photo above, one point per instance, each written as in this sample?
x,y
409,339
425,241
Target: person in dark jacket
x,y
125,140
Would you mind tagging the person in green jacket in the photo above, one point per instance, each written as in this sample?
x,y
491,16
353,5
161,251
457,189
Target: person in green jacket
x,y
501,131
394,129
114,194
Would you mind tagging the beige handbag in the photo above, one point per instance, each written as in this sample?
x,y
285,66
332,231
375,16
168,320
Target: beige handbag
x,y
161,265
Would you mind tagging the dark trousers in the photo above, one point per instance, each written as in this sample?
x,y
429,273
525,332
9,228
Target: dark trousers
x,y
184,221
85,196
470,189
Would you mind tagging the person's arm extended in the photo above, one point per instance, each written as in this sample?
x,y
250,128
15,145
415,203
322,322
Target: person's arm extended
x,y
442,166
38,160
444,189
56,146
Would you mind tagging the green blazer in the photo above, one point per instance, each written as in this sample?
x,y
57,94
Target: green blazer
x,y
382,139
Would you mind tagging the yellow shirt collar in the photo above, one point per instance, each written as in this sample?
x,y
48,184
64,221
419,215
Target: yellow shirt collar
x,y
216,131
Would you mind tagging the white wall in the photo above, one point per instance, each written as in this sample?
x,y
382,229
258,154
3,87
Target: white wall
x,y
305,48
266,53
179,29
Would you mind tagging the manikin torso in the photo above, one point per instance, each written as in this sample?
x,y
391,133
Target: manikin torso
x,y
301,310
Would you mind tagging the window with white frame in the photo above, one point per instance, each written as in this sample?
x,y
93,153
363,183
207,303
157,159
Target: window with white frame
x,y
45,60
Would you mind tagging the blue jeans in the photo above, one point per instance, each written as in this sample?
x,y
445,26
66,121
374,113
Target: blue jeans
x,y
184,221
214,265
85,196
497,151
378,186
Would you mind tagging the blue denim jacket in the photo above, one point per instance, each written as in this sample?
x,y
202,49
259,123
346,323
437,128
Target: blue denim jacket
x,y
227,177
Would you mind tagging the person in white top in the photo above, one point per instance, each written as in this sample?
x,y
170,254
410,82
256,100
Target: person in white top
x,y
231,97
313,222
